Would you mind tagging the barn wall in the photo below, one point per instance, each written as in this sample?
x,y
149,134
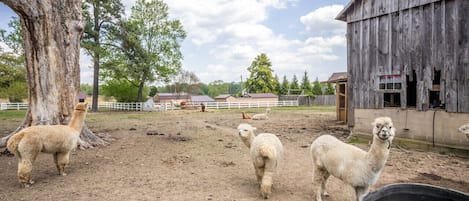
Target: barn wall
x,y
430,126
405,37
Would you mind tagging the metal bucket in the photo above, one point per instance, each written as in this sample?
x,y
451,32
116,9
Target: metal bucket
x,y
415,192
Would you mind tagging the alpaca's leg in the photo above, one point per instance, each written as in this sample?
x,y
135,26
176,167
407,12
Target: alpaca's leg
x,y
360,192
267,180
56,161
27,156
63,159
259,173
318,181
323,184
25,168
266,185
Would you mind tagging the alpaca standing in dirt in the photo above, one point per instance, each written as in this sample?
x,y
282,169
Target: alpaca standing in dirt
x,y
58,140
266,151
352,165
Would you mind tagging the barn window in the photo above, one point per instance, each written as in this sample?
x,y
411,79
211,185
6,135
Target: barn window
x,y
392,99
391,85
390,82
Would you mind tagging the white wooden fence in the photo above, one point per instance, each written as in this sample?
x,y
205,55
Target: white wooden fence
x,y
13,106
140,106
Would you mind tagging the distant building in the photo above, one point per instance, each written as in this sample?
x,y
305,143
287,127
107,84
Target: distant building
x,y
254,97
195,100
171,98
225,98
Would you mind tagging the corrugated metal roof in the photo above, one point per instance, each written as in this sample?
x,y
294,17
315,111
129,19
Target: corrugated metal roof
x,y
166,96
201,99
222,96
261,95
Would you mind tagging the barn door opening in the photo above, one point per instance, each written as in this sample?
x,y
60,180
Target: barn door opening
x,y
411,89
435,101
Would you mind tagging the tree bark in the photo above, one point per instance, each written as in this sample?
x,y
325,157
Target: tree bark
x,y
52,31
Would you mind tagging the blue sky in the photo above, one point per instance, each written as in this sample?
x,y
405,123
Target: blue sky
x,y
224,36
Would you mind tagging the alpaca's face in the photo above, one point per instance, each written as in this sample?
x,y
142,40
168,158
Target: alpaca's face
x,y
245,129
82,107
383,128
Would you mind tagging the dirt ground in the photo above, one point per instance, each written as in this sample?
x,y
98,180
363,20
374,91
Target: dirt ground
x,y
190,155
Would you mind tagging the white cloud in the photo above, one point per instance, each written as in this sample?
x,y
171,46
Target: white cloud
x,y
323,20
207,20
224,36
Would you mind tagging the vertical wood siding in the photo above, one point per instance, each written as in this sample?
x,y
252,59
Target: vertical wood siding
x,y
403,36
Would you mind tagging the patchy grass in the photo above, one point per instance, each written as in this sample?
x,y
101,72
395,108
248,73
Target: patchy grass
x,y
12,114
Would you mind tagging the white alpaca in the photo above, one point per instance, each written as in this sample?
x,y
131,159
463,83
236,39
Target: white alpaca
x,y
262,116
465,129
352,165
266,151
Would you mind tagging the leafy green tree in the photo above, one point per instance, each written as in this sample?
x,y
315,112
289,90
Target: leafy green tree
x,y
217,87
123,91
149,46
153,91
260,79
317,87
100,16
284,86
277,85
87,88
13,83
305,83
294,83
14,38
329,89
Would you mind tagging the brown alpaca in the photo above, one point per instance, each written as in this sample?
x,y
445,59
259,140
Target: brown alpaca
x,y
58,140
246,116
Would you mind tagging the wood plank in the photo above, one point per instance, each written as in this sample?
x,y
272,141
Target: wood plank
x,y
426,40
395,42
450,39
350,77
403,4
438,39
414,3
383,42
365,60
463,55
366,9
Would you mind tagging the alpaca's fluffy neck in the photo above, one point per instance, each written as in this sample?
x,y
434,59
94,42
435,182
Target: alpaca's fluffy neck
x,y
77,120
248,140
378,154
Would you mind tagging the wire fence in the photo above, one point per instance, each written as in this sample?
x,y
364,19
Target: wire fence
x,y
144,106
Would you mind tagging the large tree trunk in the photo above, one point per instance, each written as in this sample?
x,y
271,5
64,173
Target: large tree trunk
x,y
51,37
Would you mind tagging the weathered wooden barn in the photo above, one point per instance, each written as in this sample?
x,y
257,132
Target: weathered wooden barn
x,y
409,59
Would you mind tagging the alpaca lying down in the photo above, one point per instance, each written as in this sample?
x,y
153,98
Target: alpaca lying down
x,y
352,165
58,140
266,151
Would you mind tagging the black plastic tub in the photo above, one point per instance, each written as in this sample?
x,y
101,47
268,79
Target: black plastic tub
x,y
415,192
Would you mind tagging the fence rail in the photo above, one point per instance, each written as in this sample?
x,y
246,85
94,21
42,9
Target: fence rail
x,y
140,106
13,106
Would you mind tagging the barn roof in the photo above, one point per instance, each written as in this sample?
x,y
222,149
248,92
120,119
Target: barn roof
x,y
167,96
201,99
223,96
342,15
261,95
336,77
